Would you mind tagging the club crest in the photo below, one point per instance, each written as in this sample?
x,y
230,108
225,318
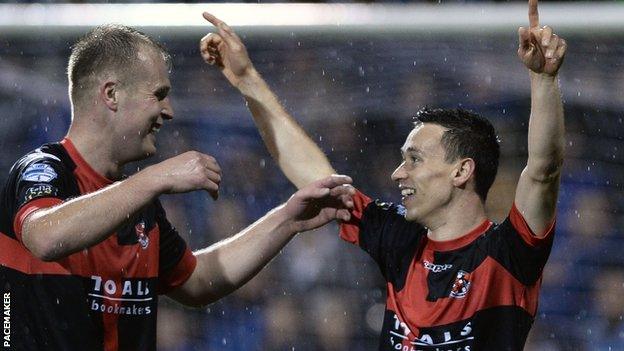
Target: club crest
x,y
461,285
142,238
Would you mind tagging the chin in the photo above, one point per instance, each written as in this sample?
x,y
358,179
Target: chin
x,y
410,216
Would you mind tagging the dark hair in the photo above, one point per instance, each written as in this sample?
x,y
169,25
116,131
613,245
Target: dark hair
x,y
467,135
107,47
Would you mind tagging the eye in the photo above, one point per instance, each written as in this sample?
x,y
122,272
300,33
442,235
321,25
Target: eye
x,y
160,96
161,93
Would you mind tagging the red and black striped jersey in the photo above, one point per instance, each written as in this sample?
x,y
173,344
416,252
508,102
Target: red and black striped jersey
x,y
102,298
477,292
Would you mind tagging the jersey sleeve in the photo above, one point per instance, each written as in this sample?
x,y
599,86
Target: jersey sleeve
x,y
40,180
381,230
519,250
176,261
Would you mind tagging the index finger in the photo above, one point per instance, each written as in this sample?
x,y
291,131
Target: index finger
x,y
212,19
533,14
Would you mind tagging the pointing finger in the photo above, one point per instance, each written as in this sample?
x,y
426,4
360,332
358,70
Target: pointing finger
x,y
212,19
533,14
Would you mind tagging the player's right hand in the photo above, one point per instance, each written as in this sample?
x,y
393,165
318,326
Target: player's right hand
x,y
189,171
226,50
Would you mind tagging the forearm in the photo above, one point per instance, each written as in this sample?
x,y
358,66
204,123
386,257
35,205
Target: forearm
x,y
59,231
298,156
227,265
546,128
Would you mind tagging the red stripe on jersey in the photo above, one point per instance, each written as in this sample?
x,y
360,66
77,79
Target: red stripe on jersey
x,y
111,339
28,209
179,274
520,224
491,285
15,256
349,231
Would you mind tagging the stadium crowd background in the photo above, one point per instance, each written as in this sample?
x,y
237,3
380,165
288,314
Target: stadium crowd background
x,y
356,95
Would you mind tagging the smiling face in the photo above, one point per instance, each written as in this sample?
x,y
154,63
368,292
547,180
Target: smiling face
x,y
143,106
424,177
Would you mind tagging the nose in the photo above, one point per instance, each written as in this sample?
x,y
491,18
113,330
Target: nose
x,y
167,110
399,173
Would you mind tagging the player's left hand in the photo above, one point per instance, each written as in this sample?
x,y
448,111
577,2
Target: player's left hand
x,y
320,202
540,50
226,50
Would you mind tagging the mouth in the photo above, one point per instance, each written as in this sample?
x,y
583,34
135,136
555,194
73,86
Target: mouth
x,y
407,193
155,128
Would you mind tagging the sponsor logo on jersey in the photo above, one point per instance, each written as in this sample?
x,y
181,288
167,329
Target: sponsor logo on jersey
x,y
436,268
142,238
40,190
39,172
461,285
128,296
453,338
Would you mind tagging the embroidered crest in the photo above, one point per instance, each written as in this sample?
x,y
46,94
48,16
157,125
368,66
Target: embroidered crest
x,y
461,285
142,238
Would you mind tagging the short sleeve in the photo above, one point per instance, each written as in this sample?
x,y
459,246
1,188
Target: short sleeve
x,y
519,250
381,230
176,261
41,180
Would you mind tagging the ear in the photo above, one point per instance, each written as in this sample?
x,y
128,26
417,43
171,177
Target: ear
x,y
462,173
109,94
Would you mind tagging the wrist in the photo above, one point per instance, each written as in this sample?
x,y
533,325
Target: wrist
x,y
248,83
151,183
284,223
543,77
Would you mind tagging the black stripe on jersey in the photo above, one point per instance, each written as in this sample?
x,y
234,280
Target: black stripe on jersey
x,y
48,312
172,247
390,240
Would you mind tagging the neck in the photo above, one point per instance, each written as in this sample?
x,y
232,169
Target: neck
x,y
458,218
96,150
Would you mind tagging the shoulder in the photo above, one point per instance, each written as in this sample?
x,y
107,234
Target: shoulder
x,y
43,163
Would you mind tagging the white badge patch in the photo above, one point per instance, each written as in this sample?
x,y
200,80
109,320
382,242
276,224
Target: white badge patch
x,y
39,172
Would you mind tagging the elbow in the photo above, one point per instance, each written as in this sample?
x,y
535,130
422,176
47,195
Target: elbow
x,y
195,301
40,244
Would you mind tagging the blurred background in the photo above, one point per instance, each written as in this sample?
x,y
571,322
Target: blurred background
x,y
353,76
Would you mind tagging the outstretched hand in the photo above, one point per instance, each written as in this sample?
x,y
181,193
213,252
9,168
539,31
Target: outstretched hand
x,y
540,50
320,202
226,50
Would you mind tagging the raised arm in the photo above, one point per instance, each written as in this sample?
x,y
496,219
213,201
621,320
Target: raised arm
x,y
225,266
542,52
301,160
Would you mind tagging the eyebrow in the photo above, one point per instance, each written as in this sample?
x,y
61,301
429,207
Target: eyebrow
x,y
411,149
